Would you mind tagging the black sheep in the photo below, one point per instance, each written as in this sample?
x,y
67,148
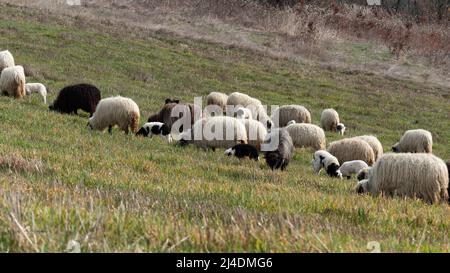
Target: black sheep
x,y
74,97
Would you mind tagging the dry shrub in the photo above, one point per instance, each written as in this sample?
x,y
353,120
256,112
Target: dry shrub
x,y
17,164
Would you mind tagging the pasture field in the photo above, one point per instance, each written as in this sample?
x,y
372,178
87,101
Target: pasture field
x,y
59,181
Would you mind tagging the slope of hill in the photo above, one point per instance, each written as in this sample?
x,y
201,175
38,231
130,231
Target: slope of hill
x,y
61,182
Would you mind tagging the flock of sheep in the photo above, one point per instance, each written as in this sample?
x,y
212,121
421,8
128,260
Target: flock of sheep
x,y
246,130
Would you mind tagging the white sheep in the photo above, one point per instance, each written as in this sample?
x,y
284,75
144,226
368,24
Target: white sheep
x,y
217,98
374,143
36,88
6,60
349,149
286,113
349,168
327,161
330,120
12,82
256,132
414,141
120,111
215,132
307,135
243,113
422,176
255,106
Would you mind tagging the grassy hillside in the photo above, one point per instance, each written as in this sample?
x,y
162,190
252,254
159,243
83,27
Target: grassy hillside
x,y
121,193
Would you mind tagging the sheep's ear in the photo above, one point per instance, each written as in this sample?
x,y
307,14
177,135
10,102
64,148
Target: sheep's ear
x,y
168,101
176,101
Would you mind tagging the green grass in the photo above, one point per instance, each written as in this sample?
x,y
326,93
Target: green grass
x,y
120,193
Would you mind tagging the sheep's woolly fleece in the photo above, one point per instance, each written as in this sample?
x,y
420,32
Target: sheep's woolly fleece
x,y
120,111
307,135
284,114
422,176
349,149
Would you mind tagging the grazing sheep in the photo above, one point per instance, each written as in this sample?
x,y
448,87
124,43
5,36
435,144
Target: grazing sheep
x,y
217,98
256,132
329,120
215,132
36,88
349,149
243,150
363,173
282,115
6,60
255,106
349,168
422,176
307,135
12,82
414,141
374,143
80,96
448,189
150,129
279,149
323,159
120,111
243,113
340,128
178,110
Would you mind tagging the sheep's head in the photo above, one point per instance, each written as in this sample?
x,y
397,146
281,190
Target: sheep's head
x,y
144,131
395,148
89,124
332,170
229,151
362,186
171,101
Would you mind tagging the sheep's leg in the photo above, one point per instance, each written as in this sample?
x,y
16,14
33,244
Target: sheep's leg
x,y
110,129
348,177
126,131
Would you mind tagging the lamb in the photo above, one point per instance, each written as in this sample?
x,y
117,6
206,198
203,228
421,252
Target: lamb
x,y
363,173
340,128
243,113
422,176
243,150
215,132
278,149
330,120
120,111
217,98
255,106
80,96
349,168
307,135
12,82
282,115
374,143
414,141
256,132
171,113
155,128
36,88
6,60
349,149
323,159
